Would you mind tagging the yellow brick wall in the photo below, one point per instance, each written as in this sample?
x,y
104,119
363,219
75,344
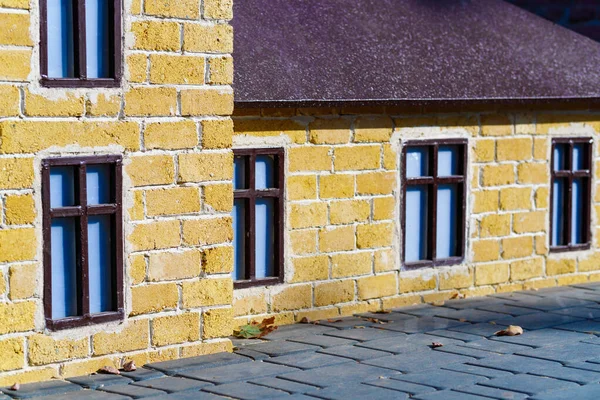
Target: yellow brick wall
x,y
343,202
170,119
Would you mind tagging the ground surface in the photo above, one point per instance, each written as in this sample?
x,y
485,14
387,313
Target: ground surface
x,y
558,357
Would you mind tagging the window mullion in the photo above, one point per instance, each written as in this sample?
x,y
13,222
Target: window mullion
x,y
80,40
83,241
433,204
252,218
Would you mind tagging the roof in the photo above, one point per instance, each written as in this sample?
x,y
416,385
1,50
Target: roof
x,y
401,52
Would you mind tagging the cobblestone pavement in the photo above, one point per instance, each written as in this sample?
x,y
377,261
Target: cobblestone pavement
x,y
557,357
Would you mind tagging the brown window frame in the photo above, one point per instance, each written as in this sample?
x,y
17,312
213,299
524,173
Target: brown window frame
x,y
433,181
570,174
251,195
79,49
82,211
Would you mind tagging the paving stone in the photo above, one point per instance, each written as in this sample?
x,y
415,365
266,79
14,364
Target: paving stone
x,y
98,380
592,327
355,353
441,379
406,387
529,384
465,351
476,370
473,303
587,392
496,346
194,395
245,391
345,323
508,309
173,384
323,341
4,397
493,393
475,316
423,324
406,344
586,366
448,395
513,297
252,354
282,384
582,295
142,374
547,292
282,347
580,312
414,362
41,389
570,352
311,360
387,316
588,286
513,363
333,375
136,392
237,372
207,361
481,329
363,335
411,309
538,321
551,303
543,337
359,391
464,337
568,374
297,330
84,395
428,311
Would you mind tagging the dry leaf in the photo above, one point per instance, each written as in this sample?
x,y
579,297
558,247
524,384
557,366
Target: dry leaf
x,y
462,320
383,312
305,321
492,322
256,330
129,366
376,321
435,345
15,387
334,320
458,295
438,303
512,330
359,327
107,369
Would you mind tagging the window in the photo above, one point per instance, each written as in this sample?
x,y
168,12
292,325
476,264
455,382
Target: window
x,y
258,187
571,193
433,202
83,249
80,43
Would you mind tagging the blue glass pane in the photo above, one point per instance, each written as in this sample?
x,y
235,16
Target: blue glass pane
x,y
265,238
97,27
416,223
240,173
558,204
417,162
62,187
447,217
64,267
98,184
448,161
239,239
60,38
577,211
579,157
265,172
100,256
560,152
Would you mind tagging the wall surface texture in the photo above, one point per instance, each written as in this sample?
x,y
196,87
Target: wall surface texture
x,y
170,121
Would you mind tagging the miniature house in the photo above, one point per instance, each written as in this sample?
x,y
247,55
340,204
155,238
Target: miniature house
x,y
366,155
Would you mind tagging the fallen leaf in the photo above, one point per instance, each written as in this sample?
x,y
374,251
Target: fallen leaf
x,y
462,320
15,387
305,321
334,320
458,295
512,330
435,345
359,327
255,330
383,312
107,369
375,320
129,366
492,322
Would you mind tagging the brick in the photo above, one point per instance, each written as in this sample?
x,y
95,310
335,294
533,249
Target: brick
x,y
517,247
207,38
315,315
541,198
151,101
293,129
373,129
23,281
416,282
34,375
384,208
15,65
155,235
357,158
45,350
202,349
486,200
375,183
496,175
174,265
217,260
377,286
302,187
530,222
292,298
250,304
217,323
329,131
12,351
19,209
475,175
345,212
38,105
485,150
176,69
2,284
389,157
334,292
526,269
9,101
401,301
490,274
173,329
219,197
204,167
560,266
455,278
571,279
304,241
309,159
495,225
207,292
533,173
336,186
540,149
209,231
351,264
217,134
514,149
312,268
171,201
590,264
496,125
89,366
220,70
336,239
384,260
15,4
196,102
154,298
137,268
17,317
103,105
151,170
17,244
540,245
187,9
374,235
308,215
486,250
133,336
156,35
137,65
171,135
515,199
218,9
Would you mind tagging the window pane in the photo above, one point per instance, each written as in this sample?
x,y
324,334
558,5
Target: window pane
x,y
97,27
60,39
558,204
265,238
448,210
98,184
417,162
100,261
579,156
62,187
416,223
240,174
578,224
63,234
265,172
448,161
239,239
560,153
